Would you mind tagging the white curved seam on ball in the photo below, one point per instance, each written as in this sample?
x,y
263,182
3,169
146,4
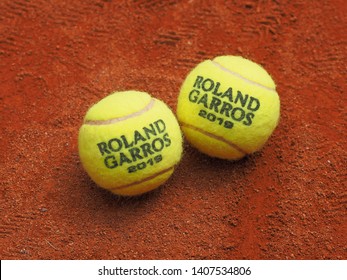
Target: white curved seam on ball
x,y
119,119
241,77
144,180
219,138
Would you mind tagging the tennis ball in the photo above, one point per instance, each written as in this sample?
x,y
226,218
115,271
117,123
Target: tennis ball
x,y
228,107
130,143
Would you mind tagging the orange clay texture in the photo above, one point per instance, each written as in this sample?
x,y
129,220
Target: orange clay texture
x,y
286,201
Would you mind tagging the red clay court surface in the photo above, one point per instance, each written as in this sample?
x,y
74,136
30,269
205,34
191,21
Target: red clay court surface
x,y
57,58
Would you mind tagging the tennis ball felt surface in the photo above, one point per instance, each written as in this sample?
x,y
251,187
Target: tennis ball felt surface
x,y
228,107
130,143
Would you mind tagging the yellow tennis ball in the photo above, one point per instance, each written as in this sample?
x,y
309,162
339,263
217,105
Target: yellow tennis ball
x,y
228,107
130,143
